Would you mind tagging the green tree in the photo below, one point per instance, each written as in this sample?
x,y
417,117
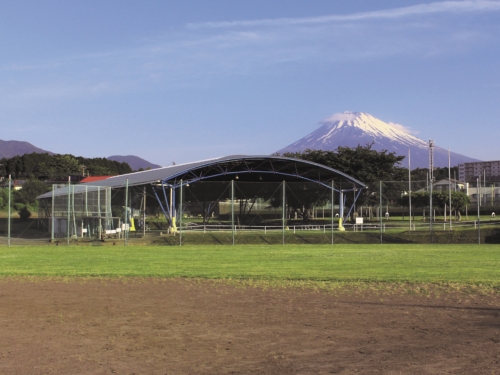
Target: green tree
x,y
364,164
46,166
30,190
4,198
24,213
422,174
459,200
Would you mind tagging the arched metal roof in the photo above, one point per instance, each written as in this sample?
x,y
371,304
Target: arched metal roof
x,y
241,167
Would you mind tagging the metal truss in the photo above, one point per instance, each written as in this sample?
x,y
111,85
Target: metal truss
x,y
165,189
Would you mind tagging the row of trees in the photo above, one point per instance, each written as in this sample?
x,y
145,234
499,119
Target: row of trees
x,y
363,163
370,167
38,169
49,167
459,200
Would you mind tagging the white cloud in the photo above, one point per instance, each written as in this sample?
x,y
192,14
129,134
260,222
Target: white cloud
x,y
192,56
403,128
421,9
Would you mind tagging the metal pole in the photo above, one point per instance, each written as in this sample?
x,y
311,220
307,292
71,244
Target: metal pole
x,y
172,213
53,215
333,206
409,186
484,185
478,220
449,182
232,209
180,215
478,185
126,214
99,228
73,210
284,208
380,211
8,216
144,213
431,216
68,216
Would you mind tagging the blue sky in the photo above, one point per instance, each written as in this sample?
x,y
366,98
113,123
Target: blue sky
x,y
189,80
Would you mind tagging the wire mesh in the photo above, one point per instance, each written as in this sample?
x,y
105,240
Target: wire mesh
x,y
256,212
76,211
240,212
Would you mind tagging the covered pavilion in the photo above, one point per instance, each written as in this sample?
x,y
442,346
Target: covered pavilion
x,y
212,181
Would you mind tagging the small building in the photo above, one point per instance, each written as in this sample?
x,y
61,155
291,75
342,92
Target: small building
x,y
446,184
18,184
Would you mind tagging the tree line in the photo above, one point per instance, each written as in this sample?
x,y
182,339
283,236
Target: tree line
x,y
40,169
50,167
370,167
362,162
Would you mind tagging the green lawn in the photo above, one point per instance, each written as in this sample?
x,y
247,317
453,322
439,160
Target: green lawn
x,y
465,264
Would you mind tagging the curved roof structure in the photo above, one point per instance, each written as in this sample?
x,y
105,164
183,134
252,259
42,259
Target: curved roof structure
x,y
241,167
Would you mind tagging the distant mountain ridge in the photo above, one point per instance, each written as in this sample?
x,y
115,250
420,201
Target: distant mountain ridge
x,y
135,162
9,149
350,129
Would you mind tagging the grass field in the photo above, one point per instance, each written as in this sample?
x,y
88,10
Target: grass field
x,y
463,264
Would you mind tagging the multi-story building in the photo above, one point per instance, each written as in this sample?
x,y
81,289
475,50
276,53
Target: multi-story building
x,y
469,172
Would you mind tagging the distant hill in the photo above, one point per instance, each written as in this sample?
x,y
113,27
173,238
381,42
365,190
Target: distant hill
x,y
135,162
9,149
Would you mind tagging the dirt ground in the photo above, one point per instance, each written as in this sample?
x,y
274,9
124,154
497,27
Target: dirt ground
x,y
177,326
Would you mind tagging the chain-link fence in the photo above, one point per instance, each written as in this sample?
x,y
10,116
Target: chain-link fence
x,y
255,212
237,212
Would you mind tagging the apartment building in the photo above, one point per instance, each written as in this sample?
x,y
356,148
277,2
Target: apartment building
x,y
469,172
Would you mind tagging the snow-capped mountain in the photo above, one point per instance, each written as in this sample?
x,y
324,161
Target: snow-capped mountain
x,y
350,129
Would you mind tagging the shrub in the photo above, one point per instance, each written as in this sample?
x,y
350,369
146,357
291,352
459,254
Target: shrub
x,y
24,213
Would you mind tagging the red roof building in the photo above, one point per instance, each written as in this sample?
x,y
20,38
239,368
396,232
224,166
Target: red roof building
x,y
93,179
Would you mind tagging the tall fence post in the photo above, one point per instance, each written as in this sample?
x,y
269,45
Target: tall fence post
x,y
99,227
68,218
478,219
125,227
409,186
232,209
449,184
53,214
333,206
8,215
431,214
284,211
144,211
180,214
380,213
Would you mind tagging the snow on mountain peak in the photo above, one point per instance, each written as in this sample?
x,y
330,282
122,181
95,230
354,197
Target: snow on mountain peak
x,y
346,116
350,129
368,125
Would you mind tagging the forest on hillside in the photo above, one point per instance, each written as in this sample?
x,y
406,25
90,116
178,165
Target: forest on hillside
x,y
44,167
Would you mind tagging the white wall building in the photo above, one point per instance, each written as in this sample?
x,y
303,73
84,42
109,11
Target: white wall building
x,y
471,171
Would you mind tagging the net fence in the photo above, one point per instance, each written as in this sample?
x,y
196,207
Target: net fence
x,y
240,212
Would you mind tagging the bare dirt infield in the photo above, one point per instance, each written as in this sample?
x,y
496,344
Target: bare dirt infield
x,y
178,326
